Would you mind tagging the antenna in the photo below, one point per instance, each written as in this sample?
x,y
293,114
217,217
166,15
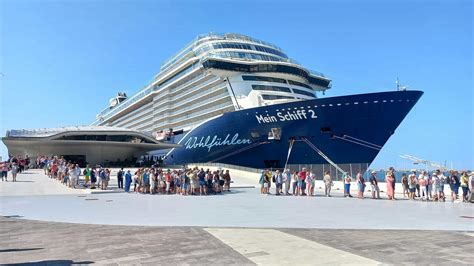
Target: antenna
x,y
400,87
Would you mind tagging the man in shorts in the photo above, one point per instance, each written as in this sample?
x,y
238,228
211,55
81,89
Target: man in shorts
x,y
374,185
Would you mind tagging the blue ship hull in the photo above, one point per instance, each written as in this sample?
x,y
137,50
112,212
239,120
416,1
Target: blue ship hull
x,y
241,137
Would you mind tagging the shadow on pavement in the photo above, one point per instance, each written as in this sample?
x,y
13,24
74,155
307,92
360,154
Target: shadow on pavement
x,y
18,249
53,262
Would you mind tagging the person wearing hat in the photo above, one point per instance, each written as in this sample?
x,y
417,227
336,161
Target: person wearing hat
x,y
374,185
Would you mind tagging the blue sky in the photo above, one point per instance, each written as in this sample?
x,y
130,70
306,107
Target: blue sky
x,y
61,61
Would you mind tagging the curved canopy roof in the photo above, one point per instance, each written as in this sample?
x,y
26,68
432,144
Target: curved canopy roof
x,y
76,130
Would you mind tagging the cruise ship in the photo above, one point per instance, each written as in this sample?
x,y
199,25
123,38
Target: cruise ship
x,y
233,99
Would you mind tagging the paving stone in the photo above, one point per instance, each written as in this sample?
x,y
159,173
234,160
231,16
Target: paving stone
x,y
397,246
63,243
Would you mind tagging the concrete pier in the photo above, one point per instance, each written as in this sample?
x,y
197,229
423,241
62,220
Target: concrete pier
x,y
41,217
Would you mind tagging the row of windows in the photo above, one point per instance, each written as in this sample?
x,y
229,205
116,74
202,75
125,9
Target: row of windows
x,y
275,97
117,138
212,63
303,92
299,84
244,55
242,46
270,88
260,78
281,89
278,80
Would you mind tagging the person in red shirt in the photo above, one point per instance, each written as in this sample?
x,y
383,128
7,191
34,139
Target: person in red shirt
x,y
54,170
302,180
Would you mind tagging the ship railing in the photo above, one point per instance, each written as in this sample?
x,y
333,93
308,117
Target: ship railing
x,y
142,93
188,99
211,36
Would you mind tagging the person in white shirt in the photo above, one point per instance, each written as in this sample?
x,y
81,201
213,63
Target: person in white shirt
x,y
423,181
72,177
77,170
442,181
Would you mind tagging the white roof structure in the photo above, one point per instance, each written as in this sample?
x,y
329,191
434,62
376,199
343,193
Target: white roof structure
x,y
48,132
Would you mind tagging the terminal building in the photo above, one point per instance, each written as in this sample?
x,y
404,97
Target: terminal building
x,y
91,144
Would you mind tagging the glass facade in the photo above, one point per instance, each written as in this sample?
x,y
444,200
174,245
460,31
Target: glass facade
x,y
245,46
303,92
275,97
260,78
246,55
270,88
292,82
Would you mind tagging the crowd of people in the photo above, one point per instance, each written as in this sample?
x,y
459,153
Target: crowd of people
x,y
425,186
15,164
194,181
187,181
152,180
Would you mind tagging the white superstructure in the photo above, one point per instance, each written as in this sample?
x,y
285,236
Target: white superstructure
x,y
212,75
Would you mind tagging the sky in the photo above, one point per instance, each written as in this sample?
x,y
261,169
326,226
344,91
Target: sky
x,y
61,61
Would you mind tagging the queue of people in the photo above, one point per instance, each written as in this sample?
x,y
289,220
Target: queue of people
x,y
57,168
425,186
195,181
299,183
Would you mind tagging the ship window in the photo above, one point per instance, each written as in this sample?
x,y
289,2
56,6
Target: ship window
x,y
270,88
259,78
303,92
275,97
299,84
